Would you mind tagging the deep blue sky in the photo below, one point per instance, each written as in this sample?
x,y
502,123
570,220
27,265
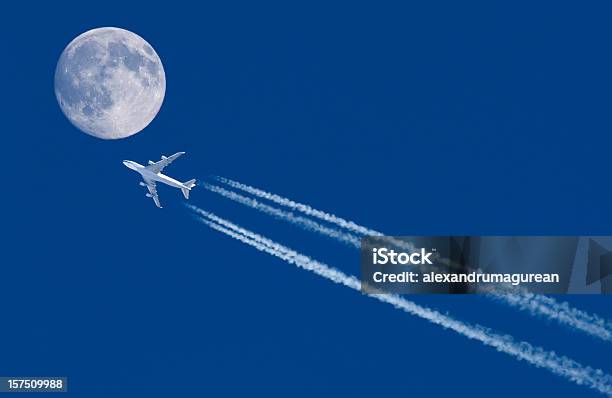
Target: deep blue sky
x,y
436,117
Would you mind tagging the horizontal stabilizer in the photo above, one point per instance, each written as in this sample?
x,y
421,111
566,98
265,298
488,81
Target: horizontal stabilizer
x,y
188,185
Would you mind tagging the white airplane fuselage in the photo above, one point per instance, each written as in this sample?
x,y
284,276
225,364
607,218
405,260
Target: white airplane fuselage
x,y
151,176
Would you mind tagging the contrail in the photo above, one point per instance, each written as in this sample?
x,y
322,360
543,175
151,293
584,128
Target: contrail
x,y
349,225
563,313
559,365
303,222
534,304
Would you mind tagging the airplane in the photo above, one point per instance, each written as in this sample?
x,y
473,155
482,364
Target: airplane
x,y
152,173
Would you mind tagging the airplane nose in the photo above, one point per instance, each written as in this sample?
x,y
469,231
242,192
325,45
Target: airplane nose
x,y
125,163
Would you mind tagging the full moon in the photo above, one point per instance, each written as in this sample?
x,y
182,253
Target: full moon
x,y
110,83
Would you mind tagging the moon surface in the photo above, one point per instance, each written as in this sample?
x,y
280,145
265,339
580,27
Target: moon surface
x,y
110,83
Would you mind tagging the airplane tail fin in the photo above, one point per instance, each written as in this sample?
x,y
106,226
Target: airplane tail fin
x,y
189,184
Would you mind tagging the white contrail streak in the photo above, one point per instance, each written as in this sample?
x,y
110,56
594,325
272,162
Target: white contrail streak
x,y
303,222
534,304
349,225
559,365
563,313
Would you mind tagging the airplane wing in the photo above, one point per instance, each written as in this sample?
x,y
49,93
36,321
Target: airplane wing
x,y
157,167
153,192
